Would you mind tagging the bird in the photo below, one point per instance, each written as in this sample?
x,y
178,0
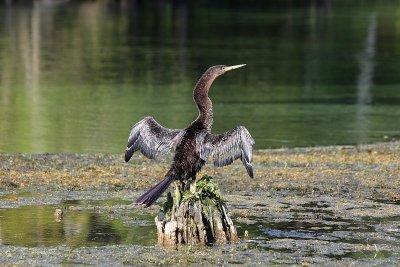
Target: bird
x,y
194,144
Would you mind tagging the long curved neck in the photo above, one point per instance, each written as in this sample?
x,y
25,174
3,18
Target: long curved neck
x,y
203,102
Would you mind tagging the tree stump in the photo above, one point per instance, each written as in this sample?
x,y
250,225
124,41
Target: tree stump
x,y
195,216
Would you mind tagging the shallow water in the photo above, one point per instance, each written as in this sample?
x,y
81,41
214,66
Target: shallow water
x,y
84,224
313,230
75,75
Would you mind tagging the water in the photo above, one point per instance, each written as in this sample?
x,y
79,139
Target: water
x,y
75,75
84,224
309,230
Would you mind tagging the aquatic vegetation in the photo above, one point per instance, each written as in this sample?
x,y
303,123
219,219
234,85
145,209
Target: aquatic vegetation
x,y
360,171
206,188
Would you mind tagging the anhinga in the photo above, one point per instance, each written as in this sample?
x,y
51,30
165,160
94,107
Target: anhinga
x,y
194,144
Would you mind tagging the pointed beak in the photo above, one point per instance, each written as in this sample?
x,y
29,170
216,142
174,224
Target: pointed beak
x,y
234,67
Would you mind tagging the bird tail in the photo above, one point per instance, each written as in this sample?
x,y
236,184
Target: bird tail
x,y
155,192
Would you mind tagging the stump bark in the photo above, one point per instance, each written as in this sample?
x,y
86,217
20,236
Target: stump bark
x,y
195,216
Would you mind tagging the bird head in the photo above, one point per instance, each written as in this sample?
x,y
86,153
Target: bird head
x,y
221,69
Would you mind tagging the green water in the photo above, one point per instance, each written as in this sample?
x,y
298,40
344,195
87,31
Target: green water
x,y
82,224
75,75
311,231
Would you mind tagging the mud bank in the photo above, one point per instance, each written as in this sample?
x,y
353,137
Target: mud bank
x,y
324,205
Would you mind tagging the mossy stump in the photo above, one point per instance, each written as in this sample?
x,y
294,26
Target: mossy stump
x,y
195,216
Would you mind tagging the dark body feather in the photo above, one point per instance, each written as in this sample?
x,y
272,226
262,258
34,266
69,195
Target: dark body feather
x,y
193,145
187,162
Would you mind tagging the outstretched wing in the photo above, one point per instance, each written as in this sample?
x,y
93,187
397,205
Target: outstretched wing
x,y
151,139
227,147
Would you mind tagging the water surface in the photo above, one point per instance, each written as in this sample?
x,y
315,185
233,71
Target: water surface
x,y
84,224
75,75
310,230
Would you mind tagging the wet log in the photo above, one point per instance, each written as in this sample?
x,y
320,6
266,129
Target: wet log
x,y
195,216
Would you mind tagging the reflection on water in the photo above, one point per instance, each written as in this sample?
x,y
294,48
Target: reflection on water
x,y
32,226
310,229
365,79
75,75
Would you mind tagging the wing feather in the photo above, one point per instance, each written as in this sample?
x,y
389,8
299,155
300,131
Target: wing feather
x,y
227,147
152,139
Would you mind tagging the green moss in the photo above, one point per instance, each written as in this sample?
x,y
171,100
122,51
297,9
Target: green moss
x,y
206,188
